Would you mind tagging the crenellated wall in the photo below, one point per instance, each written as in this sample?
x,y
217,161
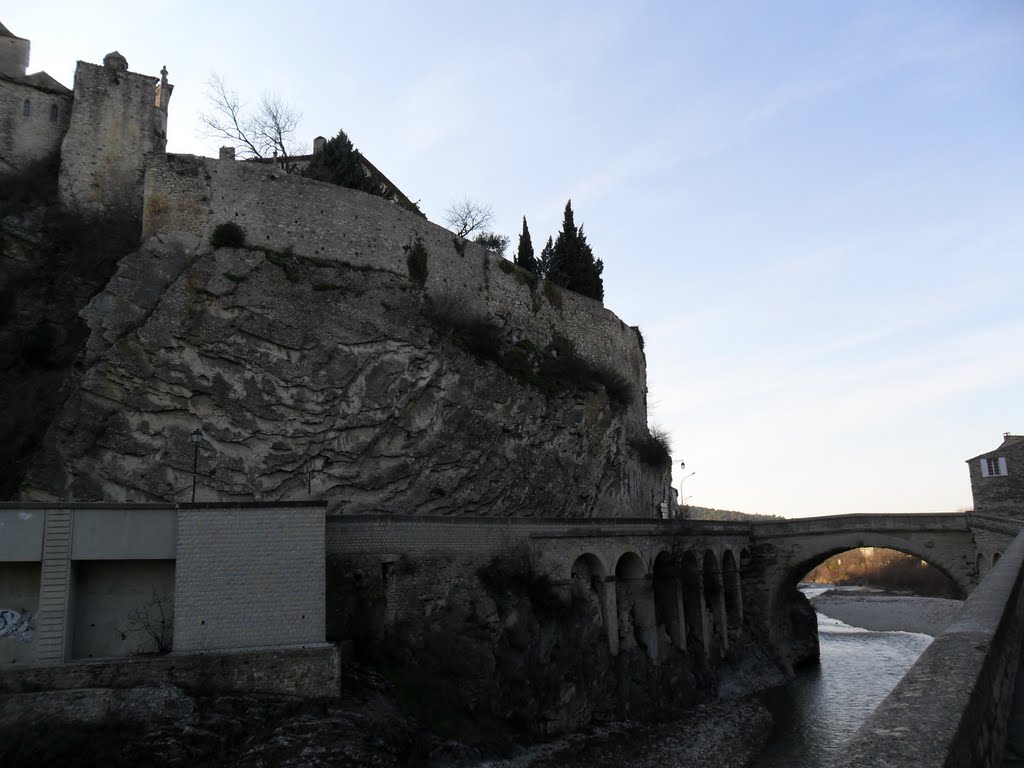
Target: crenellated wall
x,y
287,213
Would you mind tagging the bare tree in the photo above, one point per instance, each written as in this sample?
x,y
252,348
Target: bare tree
x,y
267,131
468,216
154,622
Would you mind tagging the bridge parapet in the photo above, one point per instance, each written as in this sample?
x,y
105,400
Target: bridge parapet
x,y
860,522
951,708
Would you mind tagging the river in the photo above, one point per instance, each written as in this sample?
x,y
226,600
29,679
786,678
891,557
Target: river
x,y
818,711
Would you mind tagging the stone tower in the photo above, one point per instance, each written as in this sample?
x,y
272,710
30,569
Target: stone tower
x,y
119,119
13,54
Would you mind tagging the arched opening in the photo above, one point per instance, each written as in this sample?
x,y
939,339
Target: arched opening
x,y
635,605
995,559
715,606
693,606
883,568
54,113
733,595
668,604
26,108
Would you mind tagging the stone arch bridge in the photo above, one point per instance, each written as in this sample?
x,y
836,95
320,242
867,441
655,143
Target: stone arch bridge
x,y
664,586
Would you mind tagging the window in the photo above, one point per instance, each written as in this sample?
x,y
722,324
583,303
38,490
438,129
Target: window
x,y
993,467
26,108
54,113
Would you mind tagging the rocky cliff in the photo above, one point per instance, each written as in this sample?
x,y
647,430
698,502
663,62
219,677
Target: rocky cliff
x,y
315,377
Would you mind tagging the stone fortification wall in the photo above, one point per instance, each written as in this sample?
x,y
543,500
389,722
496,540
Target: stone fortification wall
x,y
24,138
114,127
951,708
286,213
297,671
249,577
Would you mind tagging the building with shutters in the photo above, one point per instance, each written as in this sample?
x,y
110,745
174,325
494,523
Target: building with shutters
x,y
997,478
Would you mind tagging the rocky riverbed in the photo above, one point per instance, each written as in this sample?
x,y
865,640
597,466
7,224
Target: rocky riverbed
x,y
366,726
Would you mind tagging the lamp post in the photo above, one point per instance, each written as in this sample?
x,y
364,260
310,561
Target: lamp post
x,y
682,499
196,437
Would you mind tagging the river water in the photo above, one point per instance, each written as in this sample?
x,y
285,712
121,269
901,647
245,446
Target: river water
x,y
818,711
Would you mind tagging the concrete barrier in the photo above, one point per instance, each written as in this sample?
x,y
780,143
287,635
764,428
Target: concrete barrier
x,y
950,710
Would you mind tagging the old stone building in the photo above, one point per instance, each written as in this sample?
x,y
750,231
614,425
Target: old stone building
x,y
35,110
997,478
105,129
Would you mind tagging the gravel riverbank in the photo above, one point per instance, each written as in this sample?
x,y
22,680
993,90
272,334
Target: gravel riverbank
x,y
722,734
883,612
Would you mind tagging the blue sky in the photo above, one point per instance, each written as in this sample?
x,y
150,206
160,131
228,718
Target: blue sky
x,y
814,210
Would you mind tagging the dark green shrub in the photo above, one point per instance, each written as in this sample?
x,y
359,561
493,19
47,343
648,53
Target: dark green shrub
x,y
554,295
515,573
654,449
227,235
506,266
416,259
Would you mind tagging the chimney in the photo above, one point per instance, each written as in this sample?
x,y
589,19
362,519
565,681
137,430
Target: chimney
x,y
319,143
227,153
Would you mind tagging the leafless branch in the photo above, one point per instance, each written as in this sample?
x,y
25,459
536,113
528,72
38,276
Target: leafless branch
x,y
269,131
467,216
153,622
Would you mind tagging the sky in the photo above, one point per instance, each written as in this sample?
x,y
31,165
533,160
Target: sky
x,y
813,210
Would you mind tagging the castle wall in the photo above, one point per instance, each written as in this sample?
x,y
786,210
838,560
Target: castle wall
x,y
24,138
281,212
114,127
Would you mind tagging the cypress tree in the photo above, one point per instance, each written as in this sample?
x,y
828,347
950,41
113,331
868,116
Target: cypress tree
x,y
524,256
573,265
547,254
340,163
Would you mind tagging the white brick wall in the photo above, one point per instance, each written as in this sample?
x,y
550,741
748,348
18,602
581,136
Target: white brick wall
x,y
249,577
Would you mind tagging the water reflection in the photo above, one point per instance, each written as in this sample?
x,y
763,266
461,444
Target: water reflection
x,y
819,710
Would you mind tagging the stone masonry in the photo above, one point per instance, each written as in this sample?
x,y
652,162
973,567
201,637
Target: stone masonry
x,y
249,577
323,222
119,120
997,479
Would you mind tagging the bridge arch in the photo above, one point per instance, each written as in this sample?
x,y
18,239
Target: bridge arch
x,y
634,599
733,595
955,565
714,603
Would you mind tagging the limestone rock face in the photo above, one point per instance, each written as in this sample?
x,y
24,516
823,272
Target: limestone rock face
x,y
323,380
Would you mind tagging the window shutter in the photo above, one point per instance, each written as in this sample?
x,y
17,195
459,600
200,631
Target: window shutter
x,y
984,467
1002,465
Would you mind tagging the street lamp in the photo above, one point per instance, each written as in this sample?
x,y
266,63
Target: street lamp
x,y
196,437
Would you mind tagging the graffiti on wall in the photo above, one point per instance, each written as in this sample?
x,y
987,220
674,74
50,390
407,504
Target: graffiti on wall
x,y
16,625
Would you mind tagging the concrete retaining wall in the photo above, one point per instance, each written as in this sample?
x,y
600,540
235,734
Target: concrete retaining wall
x,y
249,577
303,672
950,709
